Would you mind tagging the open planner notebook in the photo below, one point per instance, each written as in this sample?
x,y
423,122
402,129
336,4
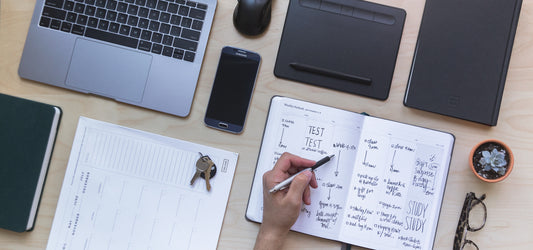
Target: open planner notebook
x,y
128,189
382,190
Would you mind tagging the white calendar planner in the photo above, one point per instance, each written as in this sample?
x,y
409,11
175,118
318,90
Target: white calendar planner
x,y
129,189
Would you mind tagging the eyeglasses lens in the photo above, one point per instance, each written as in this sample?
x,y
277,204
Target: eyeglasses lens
x,y
477,216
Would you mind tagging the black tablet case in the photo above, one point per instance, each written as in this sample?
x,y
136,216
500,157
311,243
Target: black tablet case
x,y
461,58
346,45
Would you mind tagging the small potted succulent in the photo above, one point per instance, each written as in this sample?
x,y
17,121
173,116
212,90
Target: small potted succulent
x,y
491,160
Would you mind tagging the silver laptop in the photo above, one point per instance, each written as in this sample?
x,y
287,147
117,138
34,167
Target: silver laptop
x,y
143,52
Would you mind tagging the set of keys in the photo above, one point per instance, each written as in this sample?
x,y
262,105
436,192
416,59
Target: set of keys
x,y
206,169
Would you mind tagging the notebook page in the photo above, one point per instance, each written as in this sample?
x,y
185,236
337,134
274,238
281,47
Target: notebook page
x,y
311,131
128,189
397,186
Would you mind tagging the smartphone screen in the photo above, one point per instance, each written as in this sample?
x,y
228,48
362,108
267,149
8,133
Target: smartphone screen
x,y
232,89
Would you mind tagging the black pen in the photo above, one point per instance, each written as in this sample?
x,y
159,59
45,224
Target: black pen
x,y
284,184
331,73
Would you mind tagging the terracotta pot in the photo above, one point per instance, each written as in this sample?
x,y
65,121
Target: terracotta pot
x,y
510,163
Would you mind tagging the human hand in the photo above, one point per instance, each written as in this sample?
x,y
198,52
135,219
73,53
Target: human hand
x,y
281,209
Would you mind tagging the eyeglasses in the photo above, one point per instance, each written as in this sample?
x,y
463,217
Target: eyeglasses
x,y
473,218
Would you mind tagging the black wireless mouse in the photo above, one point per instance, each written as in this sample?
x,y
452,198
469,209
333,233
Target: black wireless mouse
x,y
251,17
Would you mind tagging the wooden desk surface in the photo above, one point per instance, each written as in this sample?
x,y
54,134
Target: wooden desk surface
x,y
509,203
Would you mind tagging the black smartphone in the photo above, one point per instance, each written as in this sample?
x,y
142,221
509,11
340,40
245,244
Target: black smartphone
x,y
232,90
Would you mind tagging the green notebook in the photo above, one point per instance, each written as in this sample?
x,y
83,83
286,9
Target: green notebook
x,y
27,133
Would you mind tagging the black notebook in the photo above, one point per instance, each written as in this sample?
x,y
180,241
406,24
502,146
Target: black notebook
x,y
350,46
461,58
27,134
382,190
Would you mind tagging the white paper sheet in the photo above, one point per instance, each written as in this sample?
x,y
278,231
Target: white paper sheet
x,y
129,189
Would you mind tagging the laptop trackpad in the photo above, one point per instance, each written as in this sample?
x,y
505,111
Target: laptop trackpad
x,y
108,70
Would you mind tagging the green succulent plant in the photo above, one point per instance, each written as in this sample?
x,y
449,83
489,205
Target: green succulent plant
x,y
494,160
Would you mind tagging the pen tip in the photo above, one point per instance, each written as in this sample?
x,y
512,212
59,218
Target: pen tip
x,y
331,156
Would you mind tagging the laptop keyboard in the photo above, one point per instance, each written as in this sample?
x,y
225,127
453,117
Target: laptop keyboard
x,y
169,28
